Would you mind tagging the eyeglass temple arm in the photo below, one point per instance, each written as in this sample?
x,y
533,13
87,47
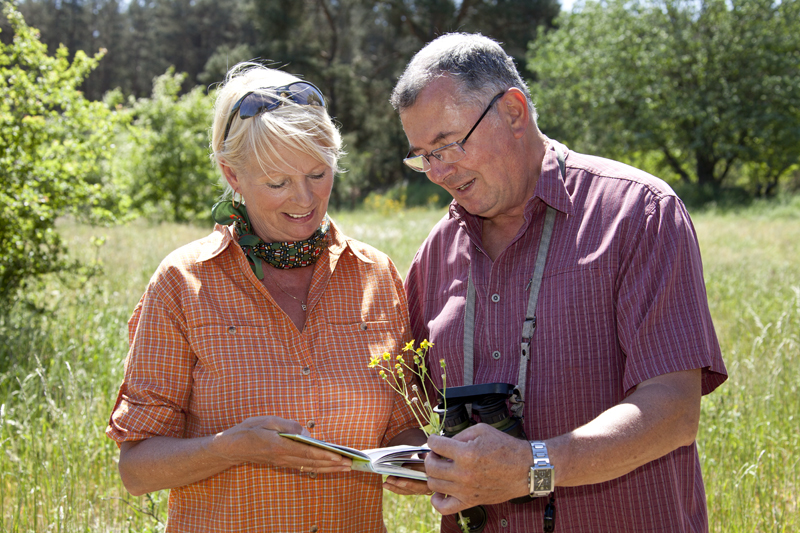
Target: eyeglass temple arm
x,y
232,115
488,107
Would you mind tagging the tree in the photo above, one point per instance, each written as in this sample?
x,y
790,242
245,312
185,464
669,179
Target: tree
x,y
169,173
356,49
142,37
709,85
52,144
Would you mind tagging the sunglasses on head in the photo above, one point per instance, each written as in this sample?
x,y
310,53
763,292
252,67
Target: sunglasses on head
x,y
255,103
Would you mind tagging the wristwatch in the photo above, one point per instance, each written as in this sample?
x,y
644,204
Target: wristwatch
x,y
540,477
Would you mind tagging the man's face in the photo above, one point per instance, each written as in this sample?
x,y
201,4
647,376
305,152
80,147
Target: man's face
x,y
486,182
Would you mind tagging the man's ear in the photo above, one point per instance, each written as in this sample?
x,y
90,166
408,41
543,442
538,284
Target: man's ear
x,y
514,108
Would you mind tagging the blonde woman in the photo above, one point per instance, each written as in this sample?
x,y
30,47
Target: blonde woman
x,y
265,326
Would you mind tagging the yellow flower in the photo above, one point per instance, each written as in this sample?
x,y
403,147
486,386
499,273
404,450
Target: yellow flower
x,y
428,419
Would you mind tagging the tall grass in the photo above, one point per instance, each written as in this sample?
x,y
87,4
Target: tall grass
x,y
59,373
750,430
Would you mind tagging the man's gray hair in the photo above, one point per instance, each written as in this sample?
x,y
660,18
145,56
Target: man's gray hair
x,y
479,66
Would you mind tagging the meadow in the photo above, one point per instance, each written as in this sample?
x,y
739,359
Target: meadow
x,y
60,369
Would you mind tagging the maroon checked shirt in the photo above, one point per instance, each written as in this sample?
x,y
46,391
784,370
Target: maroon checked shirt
x,y
622,300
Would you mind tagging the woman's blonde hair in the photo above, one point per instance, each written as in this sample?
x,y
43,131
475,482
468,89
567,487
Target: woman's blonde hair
x,y
303,128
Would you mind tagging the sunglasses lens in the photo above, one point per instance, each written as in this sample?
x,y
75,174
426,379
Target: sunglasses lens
x,y
301,93
304,93
255,104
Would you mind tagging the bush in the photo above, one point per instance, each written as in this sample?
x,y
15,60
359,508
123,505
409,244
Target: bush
x,y
168,172
52,145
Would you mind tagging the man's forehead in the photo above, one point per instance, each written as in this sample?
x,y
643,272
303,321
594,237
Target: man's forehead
x,y
436,116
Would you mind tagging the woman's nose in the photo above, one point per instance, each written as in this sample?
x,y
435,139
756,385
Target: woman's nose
x,y
302,193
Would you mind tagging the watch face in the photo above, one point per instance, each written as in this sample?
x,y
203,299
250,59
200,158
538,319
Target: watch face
x,y
541,479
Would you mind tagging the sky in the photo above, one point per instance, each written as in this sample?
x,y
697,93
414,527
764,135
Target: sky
x,y
566,5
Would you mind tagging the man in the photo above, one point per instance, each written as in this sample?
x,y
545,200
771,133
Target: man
x,y
618,345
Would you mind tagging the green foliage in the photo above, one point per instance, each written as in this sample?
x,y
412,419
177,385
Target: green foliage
x,y
52,145
143,37
168,172
710,87
354,50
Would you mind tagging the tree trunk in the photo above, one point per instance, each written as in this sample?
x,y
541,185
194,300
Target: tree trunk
x,y
675,165
705,168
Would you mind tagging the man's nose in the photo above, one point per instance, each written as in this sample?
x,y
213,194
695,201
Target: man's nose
x,y
440,171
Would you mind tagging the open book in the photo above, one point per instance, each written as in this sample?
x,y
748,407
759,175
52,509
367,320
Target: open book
x,y
391,461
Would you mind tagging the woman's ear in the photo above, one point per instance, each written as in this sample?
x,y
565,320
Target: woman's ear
x,y
230,175
514,107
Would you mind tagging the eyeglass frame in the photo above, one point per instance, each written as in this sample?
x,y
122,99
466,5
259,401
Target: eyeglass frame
x,y
270,106
460,144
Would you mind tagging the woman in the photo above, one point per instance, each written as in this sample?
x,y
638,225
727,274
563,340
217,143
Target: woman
x,y
264,326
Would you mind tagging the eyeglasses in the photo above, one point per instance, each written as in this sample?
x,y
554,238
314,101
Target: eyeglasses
x,y
448,154
254,103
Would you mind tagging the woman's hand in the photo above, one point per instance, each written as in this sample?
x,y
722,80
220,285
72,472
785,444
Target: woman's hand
x,y
256,440
406,486
161,463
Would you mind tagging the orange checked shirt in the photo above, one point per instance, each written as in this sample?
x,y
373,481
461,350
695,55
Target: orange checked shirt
x,y
209,348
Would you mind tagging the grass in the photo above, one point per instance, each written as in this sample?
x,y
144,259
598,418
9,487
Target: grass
x,y
749,435
59,372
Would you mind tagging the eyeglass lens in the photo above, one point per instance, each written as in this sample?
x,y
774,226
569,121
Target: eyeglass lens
x,y
451,153
448,155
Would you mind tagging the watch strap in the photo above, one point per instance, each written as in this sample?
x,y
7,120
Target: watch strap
x,y
541,462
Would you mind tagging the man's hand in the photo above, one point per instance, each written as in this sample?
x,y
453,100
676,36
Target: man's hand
x,y
480,465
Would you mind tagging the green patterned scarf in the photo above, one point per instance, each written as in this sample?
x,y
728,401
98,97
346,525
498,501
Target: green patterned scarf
x,y
278,254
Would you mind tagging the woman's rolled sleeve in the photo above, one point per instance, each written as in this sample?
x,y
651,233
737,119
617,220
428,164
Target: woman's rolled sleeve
x,y
154,396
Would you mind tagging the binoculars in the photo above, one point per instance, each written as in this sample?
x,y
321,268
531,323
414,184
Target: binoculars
x,y
489,403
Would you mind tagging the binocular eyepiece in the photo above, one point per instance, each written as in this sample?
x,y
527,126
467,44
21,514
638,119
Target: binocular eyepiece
x,y
489,405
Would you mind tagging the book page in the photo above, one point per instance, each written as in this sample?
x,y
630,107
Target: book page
x,y
391,460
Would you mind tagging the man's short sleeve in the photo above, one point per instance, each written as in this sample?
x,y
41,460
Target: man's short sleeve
x,y
664,323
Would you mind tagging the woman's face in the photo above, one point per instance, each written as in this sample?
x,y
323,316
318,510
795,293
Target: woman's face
x,y
286,204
